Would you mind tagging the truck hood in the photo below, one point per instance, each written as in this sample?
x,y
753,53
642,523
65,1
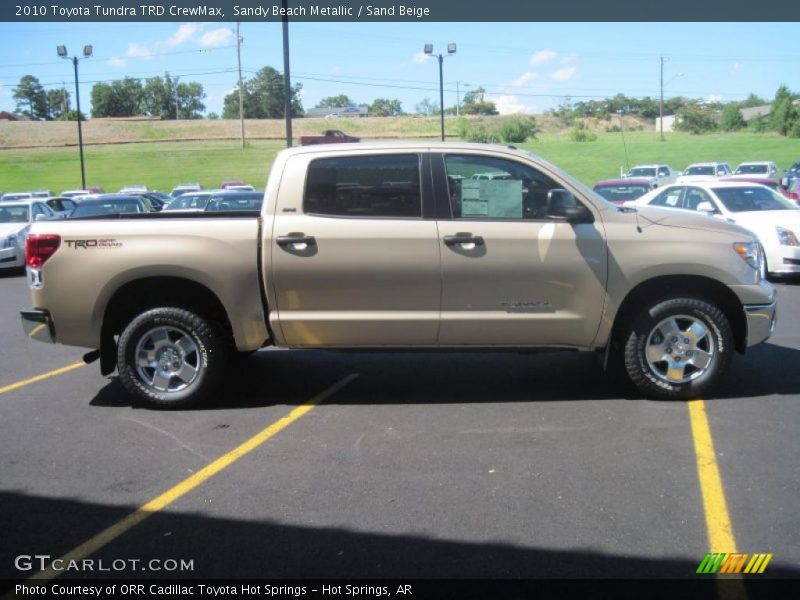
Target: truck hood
x,y
670,217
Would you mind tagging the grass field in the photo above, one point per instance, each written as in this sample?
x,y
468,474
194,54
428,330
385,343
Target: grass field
x,y
161,165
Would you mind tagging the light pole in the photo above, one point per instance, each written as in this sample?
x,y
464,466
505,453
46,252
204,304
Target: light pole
x,y
451,49
87,52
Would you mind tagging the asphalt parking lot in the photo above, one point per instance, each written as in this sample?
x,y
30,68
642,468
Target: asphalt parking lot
x,y
400,465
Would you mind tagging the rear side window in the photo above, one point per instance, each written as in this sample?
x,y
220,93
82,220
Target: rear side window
x,y
364,186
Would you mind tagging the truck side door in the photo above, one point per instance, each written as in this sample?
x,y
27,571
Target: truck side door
x,y
511,275
355,256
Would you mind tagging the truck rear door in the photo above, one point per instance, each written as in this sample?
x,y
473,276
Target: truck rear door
x,y
355,256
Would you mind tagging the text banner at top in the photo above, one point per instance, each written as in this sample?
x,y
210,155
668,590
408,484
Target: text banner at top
x,y
388,11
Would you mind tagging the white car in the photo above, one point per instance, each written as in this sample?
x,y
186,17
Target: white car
x,y
704,170
133,189
766,213
74,193
15,196
15,221
659,175
761,168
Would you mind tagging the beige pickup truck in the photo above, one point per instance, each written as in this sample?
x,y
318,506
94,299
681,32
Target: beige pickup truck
x,y
407,246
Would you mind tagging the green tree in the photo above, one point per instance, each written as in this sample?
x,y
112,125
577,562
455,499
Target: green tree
x,y
732,119
384,107
696,118
475,103
425,107
263,97
31,98
190,100
57,103
158,97
120,98
784,113
339,101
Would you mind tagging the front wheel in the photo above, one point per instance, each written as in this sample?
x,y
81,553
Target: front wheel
x,y
678,348
171,357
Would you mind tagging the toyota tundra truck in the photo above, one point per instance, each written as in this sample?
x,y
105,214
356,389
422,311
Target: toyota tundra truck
x,y
402,246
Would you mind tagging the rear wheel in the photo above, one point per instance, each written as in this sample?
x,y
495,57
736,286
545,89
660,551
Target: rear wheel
x,y
678,348
171,357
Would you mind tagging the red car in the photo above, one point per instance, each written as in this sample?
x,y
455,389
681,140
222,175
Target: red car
x,y
230,183
770,183
623,190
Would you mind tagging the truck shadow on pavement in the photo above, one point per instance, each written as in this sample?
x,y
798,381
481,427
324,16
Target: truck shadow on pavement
x,y
261,547
288,377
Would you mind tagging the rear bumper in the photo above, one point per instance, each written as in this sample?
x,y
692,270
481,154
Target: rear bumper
x,y
761,320
38,325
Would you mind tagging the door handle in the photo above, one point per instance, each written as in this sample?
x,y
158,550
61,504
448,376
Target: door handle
x,y
290,240
463,238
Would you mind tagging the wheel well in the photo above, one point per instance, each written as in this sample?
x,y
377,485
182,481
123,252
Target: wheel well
x,y
135,297
681,285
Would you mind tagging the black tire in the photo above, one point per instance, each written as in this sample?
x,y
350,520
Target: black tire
x,y
189,355
684,376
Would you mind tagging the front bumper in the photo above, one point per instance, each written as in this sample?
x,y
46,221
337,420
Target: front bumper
x,y
38,325
761,320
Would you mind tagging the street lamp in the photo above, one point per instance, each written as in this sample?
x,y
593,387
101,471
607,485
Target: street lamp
x,y
87,52
451,49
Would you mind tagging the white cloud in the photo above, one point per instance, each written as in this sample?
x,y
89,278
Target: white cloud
x,y
542,56
714,98
524,78
509,104
420,57
116,62
139,51
185,32
216,37
563,74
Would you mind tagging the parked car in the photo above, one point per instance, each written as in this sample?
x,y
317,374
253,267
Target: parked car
x,y
791,174
658,174
41,194
241,188
75,193
16,218
230,183
185,188
133,189
774,219
111,204
337,259
189,202
14,196
623,190
61,206
770,183
329,136
235,201
763,168
704,170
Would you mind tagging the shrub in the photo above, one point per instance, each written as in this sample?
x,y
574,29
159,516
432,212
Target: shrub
x,y
580,133
518,128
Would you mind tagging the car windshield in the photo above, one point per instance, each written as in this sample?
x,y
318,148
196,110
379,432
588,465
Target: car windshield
x,y
15,214
188,201
621,193
110,207
642,172
751,169
752,199
699,171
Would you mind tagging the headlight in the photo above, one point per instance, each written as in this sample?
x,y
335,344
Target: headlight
x,y
750,253
786,237
11,241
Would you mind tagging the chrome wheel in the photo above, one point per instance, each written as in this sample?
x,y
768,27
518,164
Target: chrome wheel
x,y
167,359
680,349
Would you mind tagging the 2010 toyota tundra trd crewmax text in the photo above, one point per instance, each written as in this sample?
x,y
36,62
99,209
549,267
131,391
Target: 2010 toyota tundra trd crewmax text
x,y
409,246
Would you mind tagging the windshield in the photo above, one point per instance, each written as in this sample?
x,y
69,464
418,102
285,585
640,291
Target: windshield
x,y
642,172
105,208
189,201
15,214
751,169
752,199
621,193
699,171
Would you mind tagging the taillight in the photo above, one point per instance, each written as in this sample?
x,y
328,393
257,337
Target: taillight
x,y
39,247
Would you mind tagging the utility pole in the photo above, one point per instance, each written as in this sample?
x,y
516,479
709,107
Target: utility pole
x,y
64,104
176,97
241,91
287,81
80,130
458,98
661,102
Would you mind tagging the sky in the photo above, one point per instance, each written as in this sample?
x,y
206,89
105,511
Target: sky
x,y
524,67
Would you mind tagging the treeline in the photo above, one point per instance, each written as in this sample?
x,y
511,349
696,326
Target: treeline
x,y
36,103
165,97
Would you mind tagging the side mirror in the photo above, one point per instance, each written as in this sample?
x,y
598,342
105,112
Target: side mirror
x,y
562,205
40,217
706,207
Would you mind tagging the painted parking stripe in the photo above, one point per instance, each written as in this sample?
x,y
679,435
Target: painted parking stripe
x,y
54,373
187,485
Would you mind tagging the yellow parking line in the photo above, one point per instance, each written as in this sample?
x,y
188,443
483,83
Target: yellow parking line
x,y
187,485
718,521
15,386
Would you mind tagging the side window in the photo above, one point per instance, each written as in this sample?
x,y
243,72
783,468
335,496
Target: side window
x,y
37,210
671,198
694,197
364,186
484,187
663,172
